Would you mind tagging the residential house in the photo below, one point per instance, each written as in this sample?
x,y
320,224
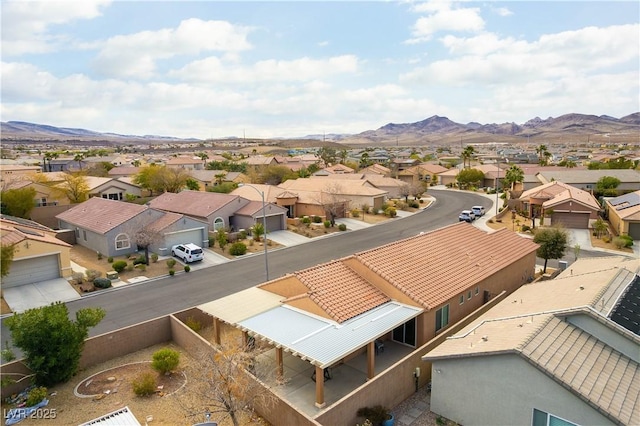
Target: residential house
x,y
38,254
406,292
259,162
209,178
563,204
10,173
567,356
123,171
187,163
587,179
623,213
219,210
376,169
421,173
112,189
64,164
109,226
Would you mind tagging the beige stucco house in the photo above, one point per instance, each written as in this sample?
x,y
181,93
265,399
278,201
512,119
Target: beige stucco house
x,y
623,213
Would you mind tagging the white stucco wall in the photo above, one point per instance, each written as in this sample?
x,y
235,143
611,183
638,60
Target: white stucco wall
x,y
502,390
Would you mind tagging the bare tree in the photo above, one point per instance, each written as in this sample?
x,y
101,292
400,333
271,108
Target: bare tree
x,y
405,191
228,382
143,235
333,201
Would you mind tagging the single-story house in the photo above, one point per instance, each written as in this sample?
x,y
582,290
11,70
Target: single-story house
x,y
209,178
218,210
188,163
407,291
112,189
376,169
10,173
587,179
121,171
568,356
563,204
38,254
108,226
420,173
623,213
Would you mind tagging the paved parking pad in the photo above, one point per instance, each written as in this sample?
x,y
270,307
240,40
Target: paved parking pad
x,y
39,294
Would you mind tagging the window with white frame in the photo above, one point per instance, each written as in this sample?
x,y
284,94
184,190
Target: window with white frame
x,y
540,418
461,299
442,317
218,223
477,290
122,242
469,295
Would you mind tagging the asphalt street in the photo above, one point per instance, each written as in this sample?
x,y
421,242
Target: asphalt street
x,y
150,299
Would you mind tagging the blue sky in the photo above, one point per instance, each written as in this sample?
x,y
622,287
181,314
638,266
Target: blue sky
x,y
211,69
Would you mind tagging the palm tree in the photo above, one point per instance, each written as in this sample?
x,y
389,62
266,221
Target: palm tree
x,y
467,153
78,158
543,155
513,175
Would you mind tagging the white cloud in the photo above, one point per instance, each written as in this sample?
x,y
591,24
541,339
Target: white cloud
x,y
135,55
443,16
502,11
25,24
214,70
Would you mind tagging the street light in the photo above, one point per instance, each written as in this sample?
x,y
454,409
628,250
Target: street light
x,y
264,225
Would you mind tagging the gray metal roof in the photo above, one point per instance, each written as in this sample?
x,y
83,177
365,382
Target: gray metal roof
x,y
242,305
321,341
121,417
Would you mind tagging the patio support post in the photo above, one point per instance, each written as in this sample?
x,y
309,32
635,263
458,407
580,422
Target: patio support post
x,y
280,362
216,330
371,360
320,387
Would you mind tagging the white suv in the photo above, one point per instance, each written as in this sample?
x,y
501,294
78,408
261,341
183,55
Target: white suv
x,y
187,252
478,211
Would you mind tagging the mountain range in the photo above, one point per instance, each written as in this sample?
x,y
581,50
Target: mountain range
x,y
434,129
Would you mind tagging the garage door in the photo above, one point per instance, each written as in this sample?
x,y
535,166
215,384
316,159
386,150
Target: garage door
x,y
183,237
29,271
634,231
274,223
571,220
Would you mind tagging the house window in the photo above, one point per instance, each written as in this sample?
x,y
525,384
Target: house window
x,y
469,295
122,242
477,290
406,333
442,317
540,418
77,232
84,234
218,223
461,299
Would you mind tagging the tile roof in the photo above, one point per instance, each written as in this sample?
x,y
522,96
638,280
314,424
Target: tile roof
x,y
164,221
101,215
433,266
576,176
559,192
192,203
343,184
339,290
12,234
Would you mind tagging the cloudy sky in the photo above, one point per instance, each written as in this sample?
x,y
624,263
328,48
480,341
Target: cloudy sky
x,y
210,69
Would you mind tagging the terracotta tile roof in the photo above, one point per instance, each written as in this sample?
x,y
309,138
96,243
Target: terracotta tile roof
x,y
192,203
124,171
559,192
342,183
164,221
432,267
183,160
339,290
12,233
101,215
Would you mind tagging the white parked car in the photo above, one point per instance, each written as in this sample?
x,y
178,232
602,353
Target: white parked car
x,y
466,216
478,210
187,252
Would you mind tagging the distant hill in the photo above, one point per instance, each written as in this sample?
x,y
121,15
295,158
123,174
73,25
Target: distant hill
x,y
568,128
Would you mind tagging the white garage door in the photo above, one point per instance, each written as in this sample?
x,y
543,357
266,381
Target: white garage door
x,y
183,237
29,271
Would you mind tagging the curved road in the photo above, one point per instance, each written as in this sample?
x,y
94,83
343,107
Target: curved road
x,y
135,303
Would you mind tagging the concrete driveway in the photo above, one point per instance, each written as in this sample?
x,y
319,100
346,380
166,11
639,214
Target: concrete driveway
x,y
39,294
211,258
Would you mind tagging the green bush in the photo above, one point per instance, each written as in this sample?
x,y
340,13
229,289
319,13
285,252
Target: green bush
x,y
621,242
327,224
140,260
306,220
193,324
110,259
141,267
36,395
238,249
172,272
171,263
102,282
154,257
317,219
130,267
212,241
242,235
628,240
119,265
187,268
355,213
391,212
165,360
99,256
342,227
525,228
144,384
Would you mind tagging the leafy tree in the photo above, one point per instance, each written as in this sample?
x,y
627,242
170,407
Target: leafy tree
x,y
192,184
327,155
18,202
513,175
227,165
364,160
221,236
224,188
7,253
275,175
74,187
161,179
607,185
553,243
147,178
51,342
468,177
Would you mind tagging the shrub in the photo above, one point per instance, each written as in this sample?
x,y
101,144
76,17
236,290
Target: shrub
x,y
36,395
110,259
401,205
606,239
619,242
355,213
141,267
165,360
99,256
140,259
7,354
78,277
212,241
119,265
628,240
342,227
238,249
187,268
242,235
129,267
317,219
306,220
154,257
171,263
92,274
327,224
172,272
525,228
144,384
193,324
102,282
415,204
376,414
391,212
